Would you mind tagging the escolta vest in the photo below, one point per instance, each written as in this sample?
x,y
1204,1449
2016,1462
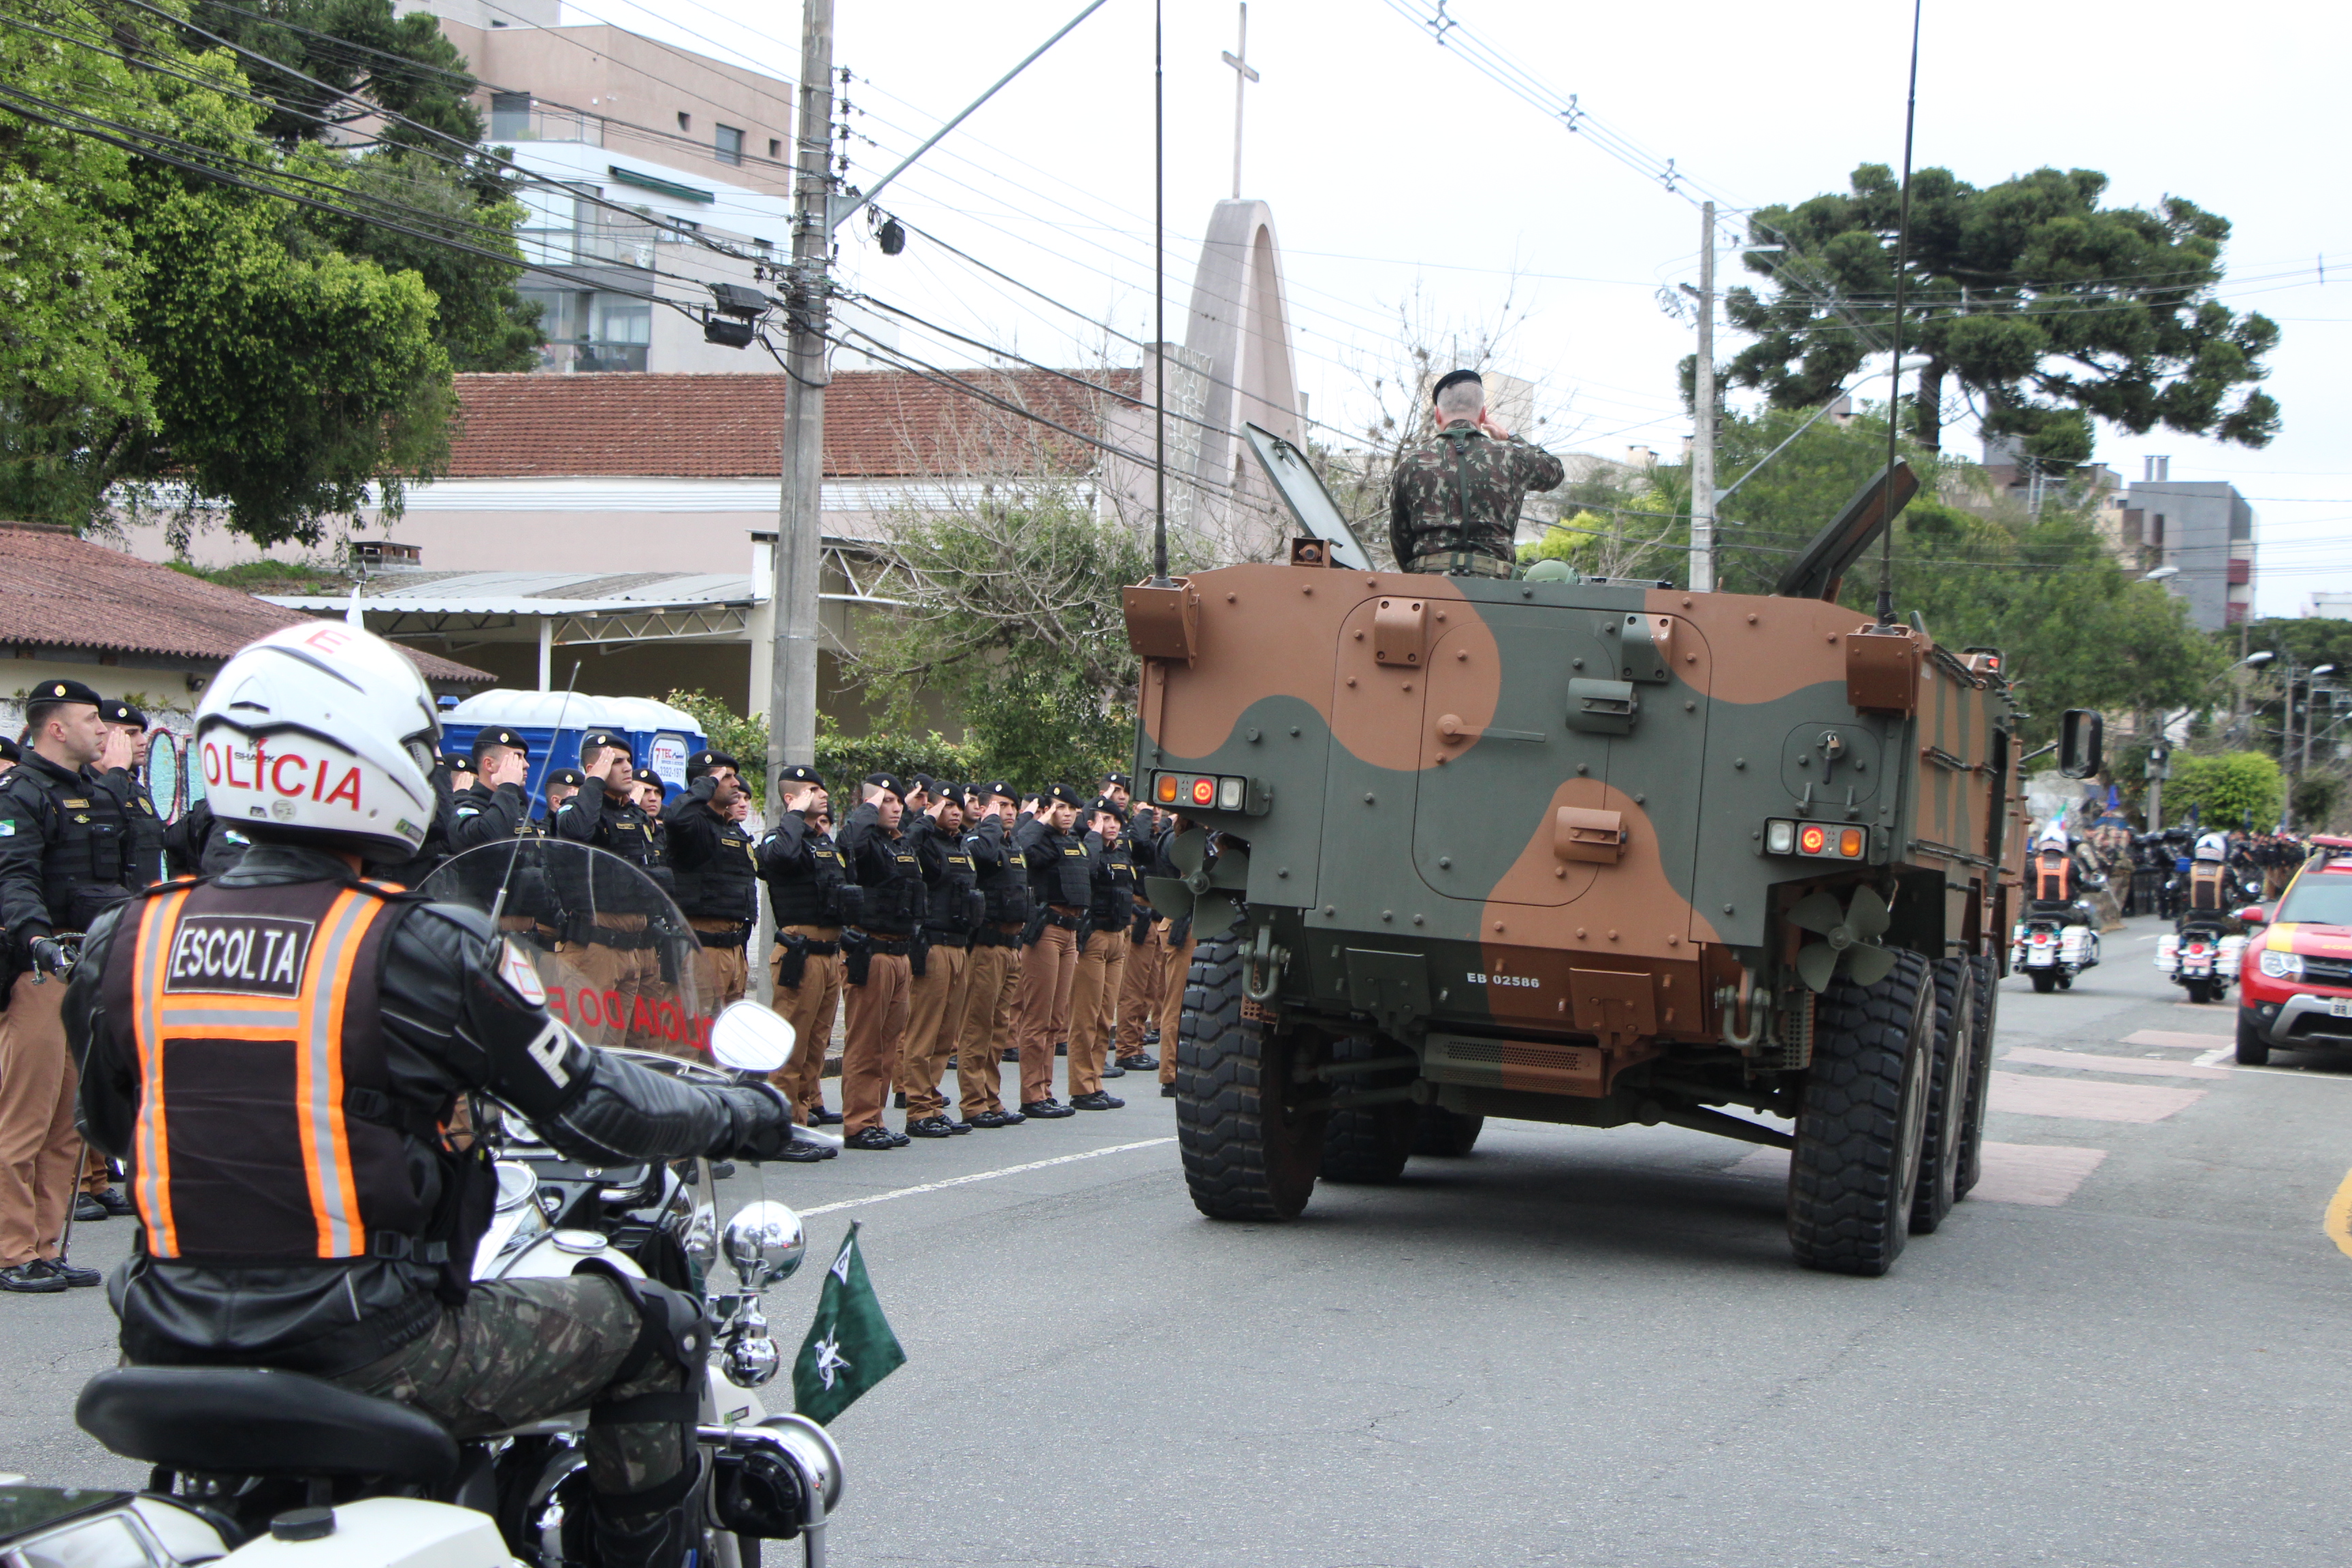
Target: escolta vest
x,y
267,1132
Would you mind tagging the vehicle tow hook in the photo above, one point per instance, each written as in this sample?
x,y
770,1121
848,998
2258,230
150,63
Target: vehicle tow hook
x,y
1747,1000
1262,973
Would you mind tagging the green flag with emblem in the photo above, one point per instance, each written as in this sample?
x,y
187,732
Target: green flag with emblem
x,y
850,1347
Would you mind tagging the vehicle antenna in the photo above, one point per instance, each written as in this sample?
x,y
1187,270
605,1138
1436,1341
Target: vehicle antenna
x,y
498,904
1894,397
1160,296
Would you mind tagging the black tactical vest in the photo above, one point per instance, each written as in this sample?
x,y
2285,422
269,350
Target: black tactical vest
x,y
87,865
815,899
727,887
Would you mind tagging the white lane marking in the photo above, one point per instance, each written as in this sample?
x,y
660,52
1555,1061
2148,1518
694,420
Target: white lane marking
x,y
2150,937
2217,1056
980,1176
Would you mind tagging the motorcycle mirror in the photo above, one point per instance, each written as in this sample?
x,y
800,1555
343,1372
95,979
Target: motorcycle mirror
x,y
2254,915
2081,734
748,1038
763,1243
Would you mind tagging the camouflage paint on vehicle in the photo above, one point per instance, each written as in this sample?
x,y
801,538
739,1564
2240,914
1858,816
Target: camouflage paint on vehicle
x,y
1437,766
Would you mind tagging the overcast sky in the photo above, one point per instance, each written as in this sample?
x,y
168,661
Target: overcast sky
x,y
1396,172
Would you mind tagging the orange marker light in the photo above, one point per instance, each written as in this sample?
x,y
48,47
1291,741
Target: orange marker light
x,y
1166,789
1812,840
1850,843
1204,792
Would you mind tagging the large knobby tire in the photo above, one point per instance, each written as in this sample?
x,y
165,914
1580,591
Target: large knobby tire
x,y
1860,1126
1249,1153
2253,1051
1946,1130
1980,1079
1369,1145
1445,1134
2045,980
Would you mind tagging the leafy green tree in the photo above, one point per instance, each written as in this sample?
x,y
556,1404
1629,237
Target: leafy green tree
x,y
359,48
2230,790
2046,308
1015,622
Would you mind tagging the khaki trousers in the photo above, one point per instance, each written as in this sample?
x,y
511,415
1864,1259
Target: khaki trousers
x,y
1171,1005
40,1152
935,1008
97,1175
617,979
1094,1007
1049,968
991,982
1139,993
724,974
876,1031
810,1008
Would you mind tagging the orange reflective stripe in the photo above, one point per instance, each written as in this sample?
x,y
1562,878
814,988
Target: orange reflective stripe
x,y
346,960
317,1056
158,921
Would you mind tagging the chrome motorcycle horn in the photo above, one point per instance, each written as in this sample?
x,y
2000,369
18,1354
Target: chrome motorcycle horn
x,y
764,1243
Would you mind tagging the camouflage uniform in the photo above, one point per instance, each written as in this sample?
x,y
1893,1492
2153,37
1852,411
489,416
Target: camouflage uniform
x,y
524,1350
1463,472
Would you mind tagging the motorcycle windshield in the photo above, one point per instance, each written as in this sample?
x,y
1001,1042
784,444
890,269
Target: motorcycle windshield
x,y
616,960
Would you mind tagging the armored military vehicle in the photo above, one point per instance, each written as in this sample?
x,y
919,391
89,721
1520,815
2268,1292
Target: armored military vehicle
x,y
1586,852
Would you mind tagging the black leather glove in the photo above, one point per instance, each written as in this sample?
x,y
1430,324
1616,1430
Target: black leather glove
x,y
50,956
763,1121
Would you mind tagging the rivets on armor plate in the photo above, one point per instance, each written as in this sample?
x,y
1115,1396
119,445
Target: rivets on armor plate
x,y
1388,914
1408,686
1498,925
1232,598
1685,601
1360,636
1579,934
1740,762
1612,936
1306,587
1294,732
1726,909
1440,615
1416,920
1329,911
1559,871
1672,941
1691,658
1579,767
1641,800
1833,637
1462,653
1351,681
1282,870
1252,735
1445,862
1368,798
1576,664
1751,618
1689,707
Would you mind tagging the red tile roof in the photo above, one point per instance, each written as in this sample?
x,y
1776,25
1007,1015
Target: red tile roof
x,y
58,590
877,424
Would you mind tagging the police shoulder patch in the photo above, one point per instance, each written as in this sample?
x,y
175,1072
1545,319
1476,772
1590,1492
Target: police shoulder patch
x,y
521,976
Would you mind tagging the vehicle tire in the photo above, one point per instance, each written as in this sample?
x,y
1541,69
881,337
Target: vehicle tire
x,y
2065,982
1948,1094
2200,991
1445,1134
1979,1079
1249,1153
1860,1122
1369,1145
2045,980
2253,1051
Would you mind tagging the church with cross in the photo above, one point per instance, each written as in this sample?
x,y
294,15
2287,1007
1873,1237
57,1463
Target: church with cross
x,y
1235,367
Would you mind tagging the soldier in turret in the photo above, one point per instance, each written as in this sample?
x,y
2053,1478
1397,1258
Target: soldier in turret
x,y
1454,503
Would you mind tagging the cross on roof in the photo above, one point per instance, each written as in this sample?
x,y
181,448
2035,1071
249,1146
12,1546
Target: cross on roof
x,y
1243,74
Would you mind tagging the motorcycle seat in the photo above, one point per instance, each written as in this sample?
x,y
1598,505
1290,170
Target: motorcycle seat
x,y
251,1421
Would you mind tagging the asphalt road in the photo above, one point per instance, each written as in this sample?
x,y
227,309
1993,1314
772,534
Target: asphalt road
x,y
1585,1347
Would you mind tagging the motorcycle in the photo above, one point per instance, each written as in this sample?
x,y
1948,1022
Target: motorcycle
x,y
247,1461
2203,956
2052,949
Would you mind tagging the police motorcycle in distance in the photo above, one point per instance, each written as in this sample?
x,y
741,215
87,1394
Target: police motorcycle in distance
x,y
2058,936
2204,951
250,1466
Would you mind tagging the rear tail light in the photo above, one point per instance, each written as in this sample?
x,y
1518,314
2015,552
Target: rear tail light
x,y
1208,792
1815,841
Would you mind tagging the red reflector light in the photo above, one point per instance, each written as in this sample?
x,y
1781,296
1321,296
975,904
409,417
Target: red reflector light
x,y
1166,789
1204,792
1850,843
1812,840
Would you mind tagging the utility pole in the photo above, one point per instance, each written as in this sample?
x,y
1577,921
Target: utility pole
x,y
1702,528
799,552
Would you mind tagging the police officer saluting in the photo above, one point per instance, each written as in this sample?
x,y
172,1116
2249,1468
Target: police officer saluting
x,y
1453,501
347,1256
493,807
718,873
936,1004
1002,871
1061,886
606,937
811,898
1102,958
64,860
877,959
128,783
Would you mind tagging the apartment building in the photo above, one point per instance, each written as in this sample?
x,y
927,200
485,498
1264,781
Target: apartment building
x,y
2205,530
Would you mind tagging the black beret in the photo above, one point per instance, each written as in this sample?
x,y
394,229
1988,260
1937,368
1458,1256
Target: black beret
x,y
1455,377
703,762
121,712
62,692
571,776
10,752
594,739
1111,804
496,736
1001,787
926,783
799,772
1065,794
1122,780
888,781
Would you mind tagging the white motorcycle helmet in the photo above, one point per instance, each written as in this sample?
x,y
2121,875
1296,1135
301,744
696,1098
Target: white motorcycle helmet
x,y
2212,846
321,734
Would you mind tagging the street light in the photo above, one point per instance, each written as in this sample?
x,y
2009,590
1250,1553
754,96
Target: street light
x,y
2160,574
